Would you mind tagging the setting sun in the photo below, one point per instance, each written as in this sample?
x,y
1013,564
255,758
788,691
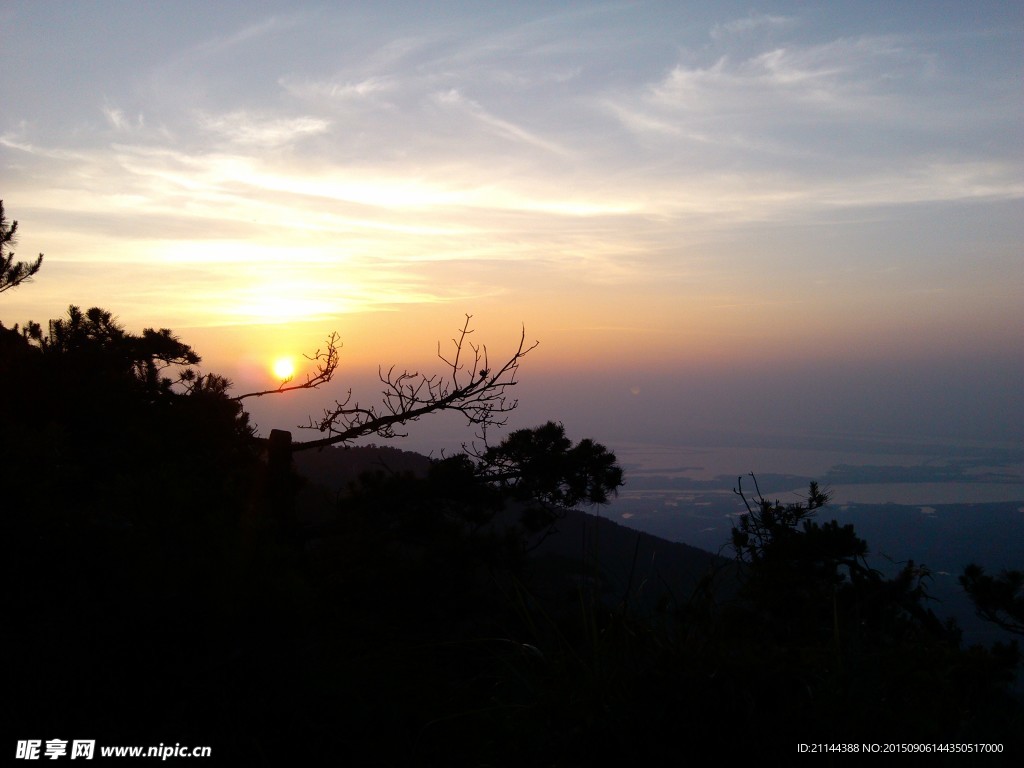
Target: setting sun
x,y
284,368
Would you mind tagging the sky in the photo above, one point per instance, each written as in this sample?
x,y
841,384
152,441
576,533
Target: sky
x,y
715,217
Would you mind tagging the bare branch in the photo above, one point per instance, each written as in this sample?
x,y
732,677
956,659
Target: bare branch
x,y
469,386
326,364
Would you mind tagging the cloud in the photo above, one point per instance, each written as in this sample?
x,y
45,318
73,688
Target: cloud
x,y
117,120
849,122
14,142
499,126
339,90
248,129
845,75
752,22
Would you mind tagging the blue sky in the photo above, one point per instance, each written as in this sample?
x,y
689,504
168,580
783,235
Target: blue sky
x,y
668,195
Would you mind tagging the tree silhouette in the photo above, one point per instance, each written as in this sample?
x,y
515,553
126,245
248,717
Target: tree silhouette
x,y
478,509
543,470
856,653
469,386
999,599
104,414
12,273
128,483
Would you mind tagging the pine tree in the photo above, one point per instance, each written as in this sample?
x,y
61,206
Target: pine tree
x,y
12,273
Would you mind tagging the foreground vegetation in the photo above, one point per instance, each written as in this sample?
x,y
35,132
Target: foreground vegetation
x,y
171,581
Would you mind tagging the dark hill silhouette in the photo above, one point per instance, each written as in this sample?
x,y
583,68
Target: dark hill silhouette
x,y
625,565
631,566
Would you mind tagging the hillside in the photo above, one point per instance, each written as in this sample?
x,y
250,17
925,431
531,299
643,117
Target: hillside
x,y
621,563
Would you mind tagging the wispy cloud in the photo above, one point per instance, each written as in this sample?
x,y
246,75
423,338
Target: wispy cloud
x,y
501,127
849,75
753,21
340,90
852,121
246,128
120,122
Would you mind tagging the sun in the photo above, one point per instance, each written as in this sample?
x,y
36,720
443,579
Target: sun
x,y
284,368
